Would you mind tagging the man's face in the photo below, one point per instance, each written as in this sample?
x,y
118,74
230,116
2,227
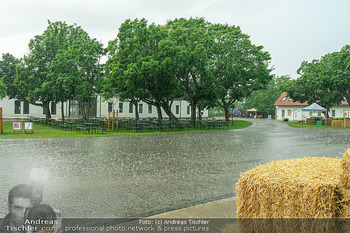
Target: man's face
x,y
17,210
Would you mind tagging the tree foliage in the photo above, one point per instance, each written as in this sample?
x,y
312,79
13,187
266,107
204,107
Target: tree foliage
x,y
239,67
122,67
186,58
192,45
3,89
338,70
62,64
206,64
8,71
139,66
319,82
264,99
77,71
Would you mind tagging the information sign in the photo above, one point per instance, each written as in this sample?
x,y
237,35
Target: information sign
x,y
28,127
17,127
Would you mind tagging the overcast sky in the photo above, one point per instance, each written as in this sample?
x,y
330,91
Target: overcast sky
x,y
290,30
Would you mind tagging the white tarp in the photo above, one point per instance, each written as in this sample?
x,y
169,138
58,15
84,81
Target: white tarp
x,y
314,108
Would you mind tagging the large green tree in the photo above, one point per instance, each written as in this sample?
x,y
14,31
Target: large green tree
x,y
239,67
317,83
140,66
192,59
192,45
122,68
338,71
77,71
62,64
157,70
41,86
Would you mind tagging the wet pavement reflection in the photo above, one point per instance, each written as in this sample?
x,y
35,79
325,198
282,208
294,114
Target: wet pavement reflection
x,y
144,175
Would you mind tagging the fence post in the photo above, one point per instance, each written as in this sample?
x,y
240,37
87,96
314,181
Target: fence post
x,y
117,120
109,118
113,121
1,125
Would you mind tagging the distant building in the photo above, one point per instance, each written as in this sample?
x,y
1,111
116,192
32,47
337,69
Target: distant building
x,y
287,108
18,109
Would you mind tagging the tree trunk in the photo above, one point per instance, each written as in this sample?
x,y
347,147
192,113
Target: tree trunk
x,y
84,108
62,110
326,114
46,106
199,114
136,111
167,109
227,114
159,112
170,114
193,113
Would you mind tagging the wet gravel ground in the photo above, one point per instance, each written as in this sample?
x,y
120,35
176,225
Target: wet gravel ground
x,y
144,175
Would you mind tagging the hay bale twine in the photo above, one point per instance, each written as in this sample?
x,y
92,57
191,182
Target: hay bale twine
x,y
295,188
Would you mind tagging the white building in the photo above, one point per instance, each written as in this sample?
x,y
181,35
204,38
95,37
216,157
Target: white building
x,y
287,108
18,109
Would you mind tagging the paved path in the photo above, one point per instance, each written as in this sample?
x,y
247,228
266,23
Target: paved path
x,y
140,176
225,208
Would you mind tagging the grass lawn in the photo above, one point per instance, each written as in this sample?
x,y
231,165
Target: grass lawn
x,y
296,124
41,131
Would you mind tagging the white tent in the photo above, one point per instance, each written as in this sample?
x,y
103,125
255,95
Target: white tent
x,y
315,108
253,110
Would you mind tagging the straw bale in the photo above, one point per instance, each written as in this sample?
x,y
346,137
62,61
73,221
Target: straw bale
x,y
290,225
344,203
310,121
295,188
345,165
338,123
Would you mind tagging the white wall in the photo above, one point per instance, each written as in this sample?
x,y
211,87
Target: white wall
x,y
296,112
179,108
8,107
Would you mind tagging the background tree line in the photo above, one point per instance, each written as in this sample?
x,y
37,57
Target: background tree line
x,y
325,80
206,64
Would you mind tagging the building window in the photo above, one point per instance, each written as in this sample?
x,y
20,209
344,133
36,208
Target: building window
x,y
53,108
289,112
283,113
188,110
177,109
110,106
333,113
319,114
26,107
284,98
150,109
17,107
130,108
121,107
140,108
